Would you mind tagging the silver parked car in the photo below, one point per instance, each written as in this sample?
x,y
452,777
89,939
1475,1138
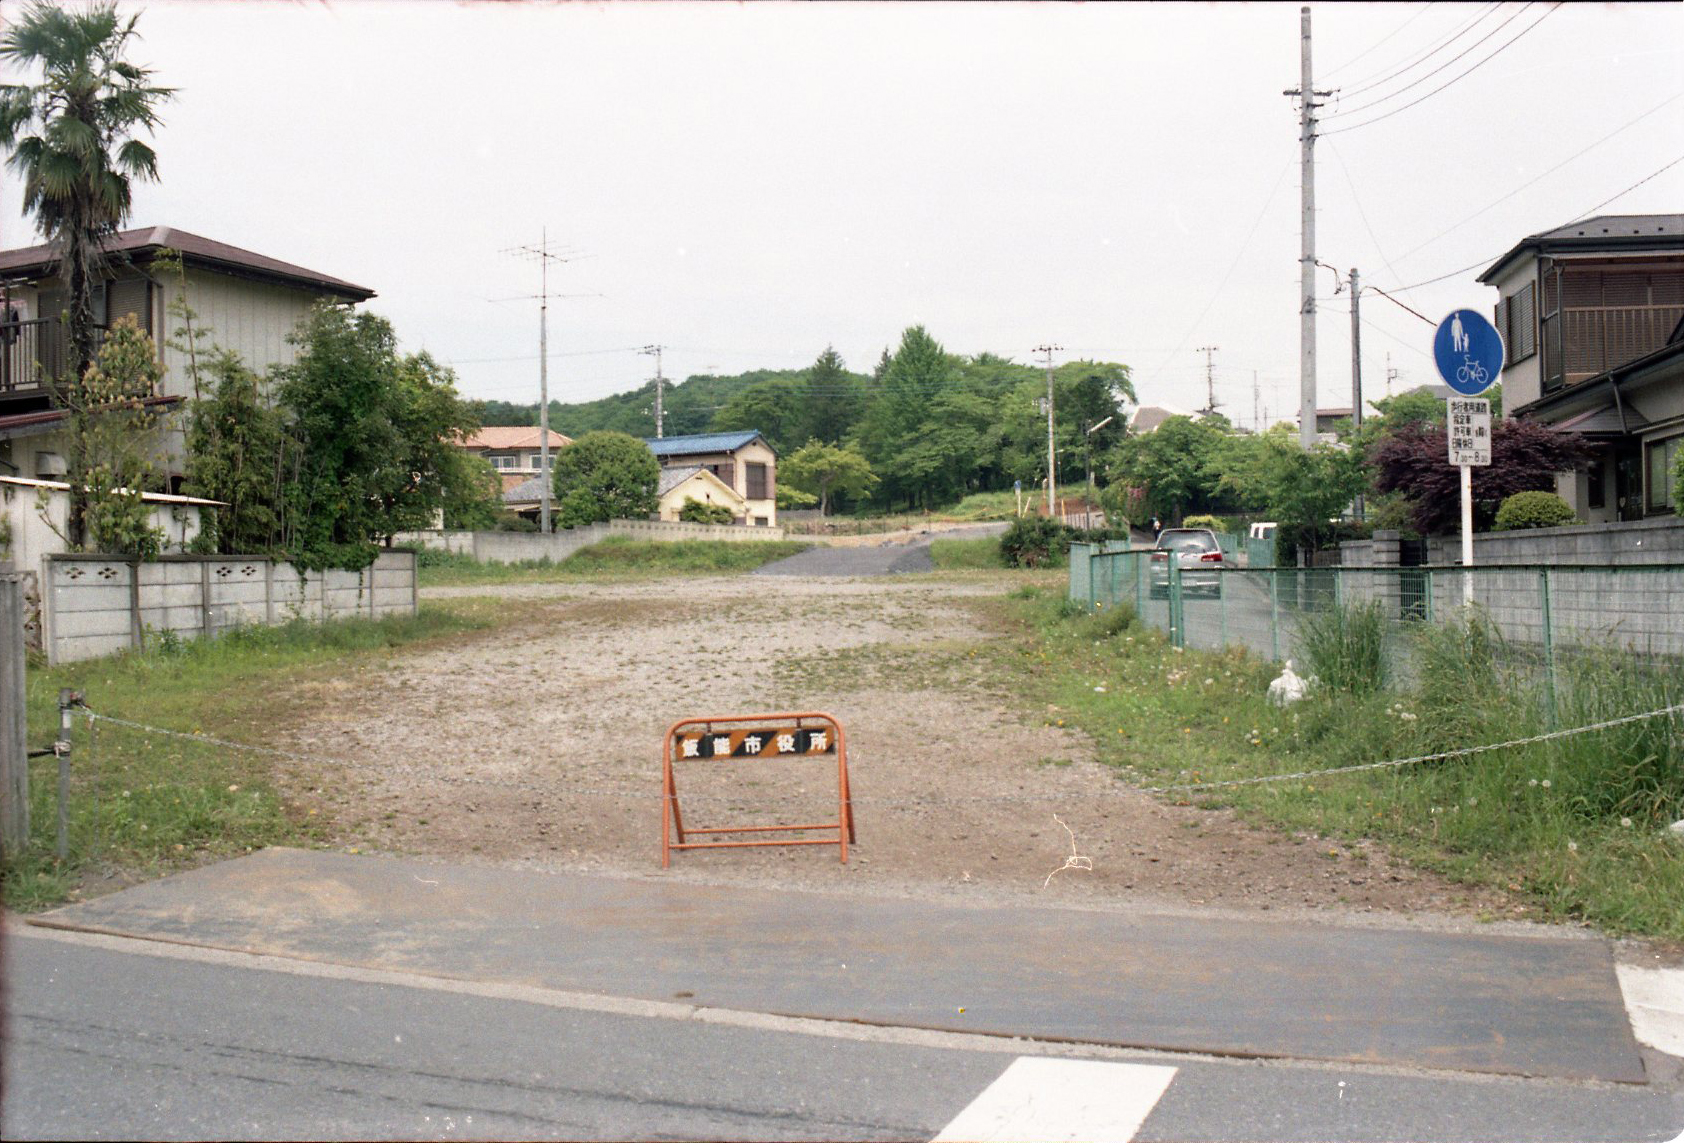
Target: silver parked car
x,y
1199,554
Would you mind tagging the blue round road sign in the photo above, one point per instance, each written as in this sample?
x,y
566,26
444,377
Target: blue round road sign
x,y
1468,351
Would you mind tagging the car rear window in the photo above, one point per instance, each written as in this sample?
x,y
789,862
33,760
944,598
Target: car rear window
x,y
1186,542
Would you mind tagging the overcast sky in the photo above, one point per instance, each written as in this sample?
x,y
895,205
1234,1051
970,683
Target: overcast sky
x,y
747,183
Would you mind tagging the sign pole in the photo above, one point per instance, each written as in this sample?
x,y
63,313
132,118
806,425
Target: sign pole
x,y
1469,354
1467,534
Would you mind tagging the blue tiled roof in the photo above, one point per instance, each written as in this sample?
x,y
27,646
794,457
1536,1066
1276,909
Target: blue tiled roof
x,y
699,443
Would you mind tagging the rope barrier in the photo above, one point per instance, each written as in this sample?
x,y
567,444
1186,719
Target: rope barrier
x,y
645,792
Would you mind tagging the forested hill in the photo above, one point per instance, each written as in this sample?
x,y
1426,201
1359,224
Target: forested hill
x,y
692,406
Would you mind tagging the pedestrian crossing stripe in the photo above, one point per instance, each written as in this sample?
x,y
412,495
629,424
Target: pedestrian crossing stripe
x,y
1039,1099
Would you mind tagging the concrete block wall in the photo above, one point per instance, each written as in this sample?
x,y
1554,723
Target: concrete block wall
x,y
95,605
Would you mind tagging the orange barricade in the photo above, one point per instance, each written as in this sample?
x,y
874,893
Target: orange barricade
x,y
769,737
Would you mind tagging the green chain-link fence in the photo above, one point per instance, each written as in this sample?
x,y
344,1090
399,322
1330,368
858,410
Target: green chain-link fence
x,y
1540,612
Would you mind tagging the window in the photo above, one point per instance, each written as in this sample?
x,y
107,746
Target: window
x,y
1520,327
1597,493
503,462
1660,457
757,483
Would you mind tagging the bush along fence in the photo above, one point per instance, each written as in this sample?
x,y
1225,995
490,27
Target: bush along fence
x,y
1535,614
93,605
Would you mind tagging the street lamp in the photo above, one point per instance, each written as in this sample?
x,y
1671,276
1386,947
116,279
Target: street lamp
x,y
1088,441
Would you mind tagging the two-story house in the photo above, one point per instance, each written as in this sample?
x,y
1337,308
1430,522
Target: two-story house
x,y
249,302
515,451
742,461
1591,316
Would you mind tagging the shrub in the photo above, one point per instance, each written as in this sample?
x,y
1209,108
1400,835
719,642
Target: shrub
x,y
1214,523
1033,542
696,512
514,522
1534,510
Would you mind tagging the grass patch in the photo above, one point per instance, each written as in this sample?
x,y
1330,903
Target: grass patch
x,y
966,555
143,804
1570,830
616,557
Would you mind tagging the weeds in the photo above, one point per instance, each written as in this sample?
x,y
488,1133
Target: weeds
x,y
1568,829
141,804
616,556
1345,647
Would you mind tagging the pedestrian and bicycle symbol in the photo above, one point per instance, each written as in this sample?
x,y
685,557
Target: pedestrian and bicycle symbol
x,y
1468,351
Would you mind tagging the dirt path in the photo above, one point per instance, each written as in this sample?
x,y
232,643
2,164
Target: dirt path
x,y
551,731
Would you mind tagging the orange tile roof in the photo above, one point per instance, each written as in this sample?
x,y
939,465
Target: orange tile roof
x,y
513,436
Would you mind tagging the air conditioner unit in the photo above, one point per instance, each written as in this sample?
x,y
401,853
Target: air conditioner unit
x,y
49,465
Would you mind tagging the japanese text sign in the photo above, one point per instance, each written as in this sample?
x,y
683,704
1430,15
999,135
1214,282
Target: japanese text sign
x,y
1469,422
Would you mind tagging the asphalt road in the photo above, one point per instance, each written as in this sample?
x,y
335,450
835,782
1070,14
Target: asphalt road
x,y
114,1038
888,558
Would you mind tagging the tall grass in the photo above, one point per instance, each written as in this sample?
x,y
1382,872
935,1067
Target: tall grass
x,y
1345,647
1572,828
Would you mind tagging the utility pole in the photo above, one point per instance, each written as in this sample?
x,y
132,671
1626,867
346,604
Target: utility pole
x,y
542,254
1256,404
660,421
1307,94
1391,374
1356,354
1356,372
1210,376
1052,457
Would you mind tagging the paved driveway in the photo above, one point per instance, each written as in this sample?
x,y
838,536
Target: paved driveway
x,y
888,558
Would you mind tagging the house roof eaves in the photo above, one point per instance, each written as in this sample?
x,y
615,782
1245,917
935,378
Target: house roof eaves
x,y
143,244
1641,232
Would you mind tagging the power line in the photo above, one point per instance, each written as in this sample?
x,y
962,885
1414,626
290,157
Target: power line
x,y
1479,17
1382,40
1577,154
1245,245
1362,213
1576,218
1419,80
1452,81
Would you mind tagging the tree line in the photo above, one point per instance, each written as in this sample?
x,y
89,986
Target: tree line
x,y
929,426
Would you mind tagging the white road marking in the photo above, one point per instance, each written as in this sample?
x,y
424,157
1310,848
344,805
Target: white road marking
x,y
1655,1003
1042,1100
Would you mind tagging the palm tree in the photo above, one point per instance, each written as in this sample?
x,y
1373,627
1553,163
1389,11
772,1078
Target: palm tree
x,y
70,138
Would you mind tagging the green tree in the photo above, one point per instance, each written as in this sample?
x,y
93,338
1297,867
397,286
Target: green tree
x,y
123,437
894,421
826,470
71,137
375,433
473,492
605,476
239,452
429,418
834,399
1176,466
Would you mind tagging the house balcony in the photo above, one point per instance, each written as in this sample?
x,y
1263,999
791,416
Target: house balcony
x,y
1584,342
35,353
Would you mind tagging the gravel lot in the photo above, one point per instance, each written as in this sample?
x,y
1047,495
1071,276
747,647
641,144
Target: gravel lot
x,y
539,745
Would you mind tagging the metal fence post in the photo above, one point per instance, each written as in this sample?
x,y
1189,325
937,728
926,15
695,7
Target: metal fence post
x,y
1177,616
1427,593
1275,610
67,700
14,723
1549,642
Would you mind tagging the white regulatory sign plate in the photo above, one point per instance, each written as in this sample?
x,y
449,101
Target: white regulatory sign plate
x,y
1469,422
